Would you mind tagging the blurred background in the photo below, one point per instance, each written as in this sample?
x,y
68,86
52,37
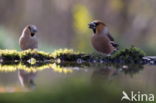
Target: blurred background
x,y
64,23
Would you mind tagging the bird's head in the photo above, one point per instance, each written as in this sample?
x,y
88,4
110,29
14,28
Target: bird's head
x,y
97,26
30,30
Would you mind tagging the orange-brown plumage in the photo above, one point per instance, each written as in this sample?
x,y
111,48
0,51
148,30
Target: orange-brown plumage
x,y
101,40
102,44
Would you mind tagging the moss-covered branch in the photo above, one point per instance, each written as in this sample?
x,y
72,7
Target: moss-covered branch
x,y
130,55
127,60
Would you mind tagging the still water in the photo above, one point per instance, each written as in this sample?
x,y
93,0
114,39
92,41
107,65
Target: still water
x,y
81,83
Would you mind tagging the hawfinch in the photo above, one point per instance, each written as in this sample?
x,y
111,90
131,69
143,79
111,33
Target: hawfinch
x,y
28,39
101,40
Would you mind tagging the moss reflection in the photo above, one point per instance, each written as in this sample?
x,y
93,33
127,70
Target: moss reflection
x,y
68,67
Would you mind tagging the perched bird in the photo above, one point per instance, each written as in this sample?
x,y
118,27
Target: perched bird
x,y
28,39
101,40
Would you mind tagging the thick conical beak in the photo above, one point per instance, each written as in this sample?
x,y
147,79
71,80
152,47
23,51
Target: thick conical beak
x,y
33,29
92,25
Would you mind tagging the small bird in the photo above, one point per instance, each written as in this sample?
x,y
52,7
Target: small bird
x,y
101,40
28,39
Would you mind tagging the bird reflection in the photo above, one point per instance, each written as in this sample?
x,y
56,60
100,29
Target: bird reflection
x,y
105,73
28,40
27,79
108,72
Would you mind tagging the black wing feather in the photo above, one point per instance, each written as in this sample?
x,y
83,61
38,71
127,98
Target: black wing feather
x,y
110,37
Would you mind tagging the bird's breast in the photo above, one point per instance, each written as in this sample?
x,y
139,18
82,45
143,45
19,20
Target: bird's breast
x,y
102,44
28,43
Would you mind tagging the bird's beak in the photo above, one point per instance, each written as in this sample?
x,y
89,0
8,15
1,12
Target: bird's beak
x,y
92,25
33,30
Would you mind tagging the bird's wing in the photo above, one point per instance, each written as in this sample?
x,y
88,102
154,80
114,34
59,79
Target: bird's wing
x,y
110,37
115,44
112,41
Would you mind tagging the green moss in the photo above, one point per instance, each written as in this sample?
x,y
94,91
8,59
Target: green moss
x,y
38,55
129,55
59,52
67,55
9,55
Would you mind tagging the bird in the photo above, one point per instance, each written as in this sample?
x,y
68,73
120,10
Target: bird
x,y
102,41
28,39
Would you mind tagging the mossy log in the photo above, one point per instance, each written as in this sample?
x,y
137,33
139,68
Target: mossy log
x,y
130,55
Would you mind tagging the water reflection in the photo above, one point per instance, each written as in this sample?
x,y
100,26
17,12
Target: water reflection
x,y
27,78
132,69
27,72
86,81
106,72
66,67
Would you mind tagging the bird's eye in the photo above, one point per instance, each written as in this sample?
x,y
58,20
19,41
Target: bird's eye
x,y
32,34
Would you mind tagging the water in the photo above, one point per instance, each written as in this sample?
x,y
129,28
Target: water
x,y
93,83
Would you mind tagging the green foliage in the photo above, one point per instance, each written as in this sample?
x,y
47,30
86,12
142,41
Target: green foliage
x,y
81,18
7,40
74,90
129,55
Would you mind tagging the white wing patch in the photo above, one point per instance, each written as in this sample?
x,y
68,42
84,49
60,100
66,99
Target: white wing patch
x,y
105,31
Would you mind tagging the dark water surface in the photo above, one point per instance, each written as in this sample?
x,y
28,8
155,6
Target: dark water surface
x,y
76,84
